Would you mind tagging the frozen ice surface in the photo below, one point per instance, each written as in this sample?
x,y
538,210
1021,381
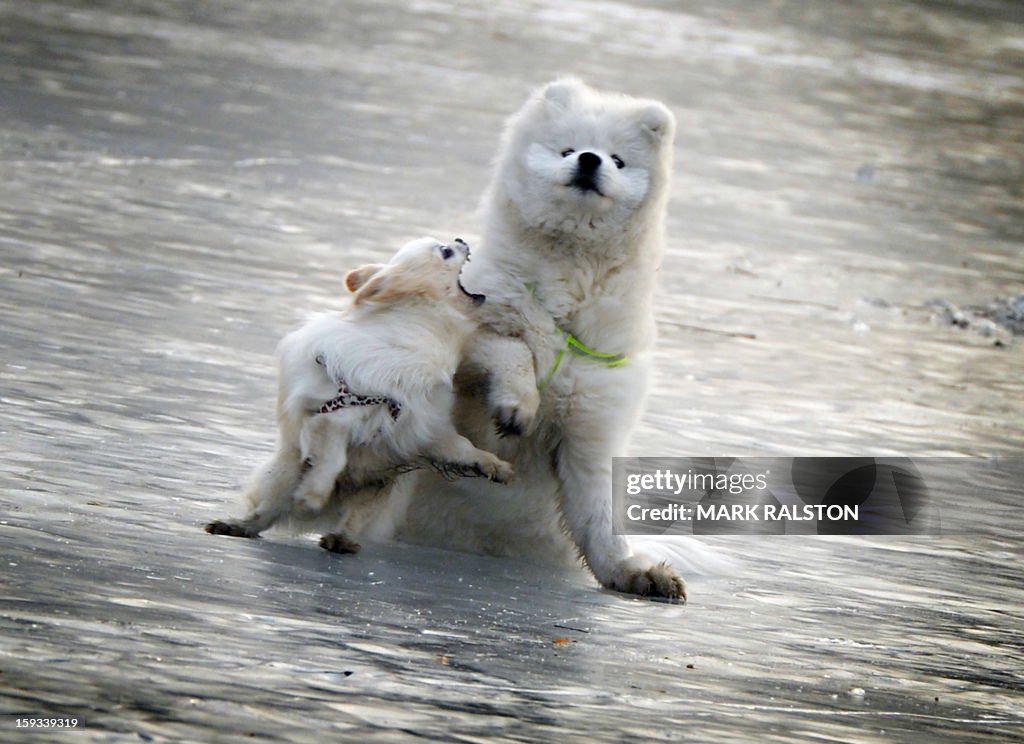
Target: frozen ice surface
x,y
181,182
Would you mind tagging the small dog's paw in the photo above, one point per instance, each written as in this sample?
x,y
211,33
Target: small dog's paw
x,y
336,542
639,575
232,529
496,470
490,467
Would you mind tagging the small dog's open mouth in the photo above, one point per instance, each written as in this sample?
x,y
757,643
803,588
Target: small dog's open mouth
x,y
478,299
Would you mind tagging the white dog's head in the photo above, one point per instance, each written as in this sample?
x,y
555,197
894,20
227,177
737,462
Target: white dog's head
x,y
578,161
422,270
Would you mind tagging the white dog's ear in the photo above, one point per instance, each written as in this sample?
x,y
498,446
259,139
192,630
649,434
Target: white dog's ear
x,y
657,121
560,94
358,277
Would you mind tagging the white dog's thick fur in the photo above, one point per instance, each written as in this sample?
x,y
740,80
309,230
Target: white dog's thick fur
x,y
574,222
387,364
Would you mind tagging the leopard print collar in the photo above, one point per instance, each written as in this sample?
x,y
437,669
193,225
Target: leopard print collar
x,y
347,399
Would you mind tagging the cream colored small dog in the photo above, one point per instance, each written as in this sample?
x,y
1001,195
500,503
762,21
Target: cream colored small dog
x,y
368,393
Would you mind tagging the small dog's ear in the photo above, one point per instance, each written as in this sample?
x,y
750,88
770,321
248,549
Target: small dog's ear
x,y
358,277
399,282
657,121
373,288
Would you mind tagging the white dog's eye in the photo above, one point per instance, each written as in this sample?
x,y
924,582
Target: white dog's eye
x,y
618,162
447,253
566,153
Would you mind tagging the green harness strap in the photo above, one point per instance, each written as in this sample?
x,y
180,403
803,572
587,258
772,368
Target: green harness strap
x,y
578,348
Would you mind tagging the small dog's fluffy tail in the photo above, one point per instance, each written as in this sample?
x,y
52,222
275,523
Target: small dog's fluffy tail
x,y
688,555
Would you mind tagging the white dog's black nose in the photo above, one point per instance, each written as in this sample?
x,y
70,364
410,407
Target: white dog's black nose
x,y
588,162
586,175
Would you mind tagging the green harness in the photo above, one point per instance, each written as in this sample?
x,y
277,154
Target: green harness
x,y
577,347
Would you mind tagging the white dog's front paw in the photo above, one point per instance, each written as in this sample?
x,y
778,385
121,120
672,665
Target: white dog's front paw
x,y
639,575
513,414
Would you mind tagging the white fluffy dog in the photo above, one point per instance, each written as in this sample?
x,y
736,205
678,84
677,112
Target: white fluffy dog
x,y
366,393
574,222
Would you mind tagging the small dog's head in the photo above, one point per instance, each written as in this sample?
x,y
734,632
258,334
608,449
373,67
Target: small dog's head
x,y
424,269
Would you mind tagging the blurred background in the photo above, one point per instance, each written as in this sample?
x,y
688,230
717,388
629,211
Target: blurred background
x,y
204,173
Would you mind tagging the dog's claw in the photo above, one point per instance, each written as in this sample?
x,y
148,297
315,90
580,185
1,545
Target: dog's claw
x,y
507,422
509,426
501,473
492,468
500,478
659,581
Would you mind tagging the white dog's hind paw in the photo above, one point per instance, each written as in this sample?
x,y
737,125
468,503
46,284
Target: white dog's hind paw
x,y
639,575
232,529
338,542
